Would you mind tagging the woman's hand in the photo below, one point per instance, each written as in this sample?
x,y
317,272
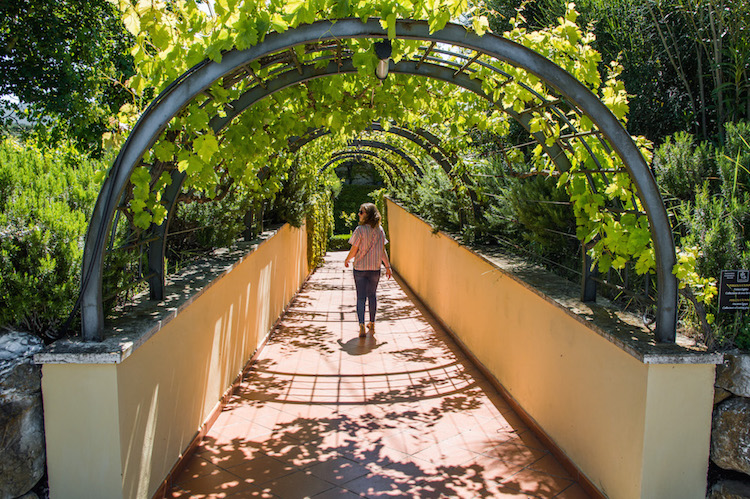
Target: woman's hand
x,y
346,262
388,272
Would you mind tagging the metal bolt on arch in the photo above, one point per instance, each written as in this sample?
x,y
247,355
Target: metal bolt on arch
x,y
452,54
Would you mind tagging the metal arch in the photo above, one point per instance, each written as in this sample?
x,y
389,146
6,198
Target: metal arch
x,y
357,155
296,143
198,79
376,144
308,72
354,157
423,138
364,152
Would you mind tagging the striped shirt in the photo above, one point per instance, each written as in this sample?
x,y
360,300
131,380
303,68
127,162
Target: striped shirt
x,y
371,243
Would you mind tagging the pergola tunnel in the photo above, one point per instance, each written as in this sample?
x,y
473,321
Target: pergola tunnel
x,y
477,65
402,98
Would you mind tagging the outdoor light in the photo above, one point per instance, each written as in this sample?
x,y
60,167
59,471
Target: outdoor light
x,y
383,51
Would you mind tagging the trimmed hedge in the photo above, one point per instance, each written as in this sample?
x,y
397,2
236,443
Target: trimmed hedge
x,y
339,242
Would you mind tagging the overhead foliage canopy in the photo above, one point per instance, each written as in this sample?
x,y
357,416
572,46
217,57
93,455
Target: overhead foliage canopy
x,y
251,152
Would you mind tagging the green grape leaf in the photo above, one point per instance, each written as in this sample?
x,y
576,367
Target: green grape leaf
x,y
142,219
480,24
164,150
205,146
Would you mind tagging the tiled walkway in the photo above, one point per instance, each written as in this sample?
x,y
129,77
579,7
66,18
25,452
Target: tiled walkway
x,y
402,414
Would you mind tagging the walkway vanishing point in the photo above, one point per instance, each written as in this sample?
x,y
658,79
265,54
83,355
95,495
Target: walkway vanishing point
x,y
405,413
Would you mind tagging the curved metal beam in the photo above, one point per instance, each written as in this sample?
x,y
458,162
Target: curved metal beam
x,y
362,156
375,144
199,78
424,139
433,71
421,137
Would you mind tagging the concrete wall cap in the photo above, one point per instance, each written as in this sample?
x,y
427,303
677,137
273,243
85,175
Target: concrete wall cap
x,y
138,320
622,328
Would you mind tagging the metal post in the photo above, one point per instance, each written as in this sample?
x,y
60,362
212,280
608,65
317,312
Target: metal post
x,y
588,284
157,249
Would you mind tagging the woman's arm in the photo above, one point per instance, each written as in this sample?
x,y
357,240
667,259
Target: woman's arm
x,y
386,262
352,254
354,241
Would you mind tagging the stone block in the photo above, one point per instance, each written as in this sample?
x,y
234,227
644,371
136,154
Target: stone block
x,y
730,489
730,435
734,374
720,394
22,452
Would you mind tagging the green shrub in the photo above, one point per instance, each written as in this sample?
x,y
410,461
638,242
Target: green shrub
x,y
434,198
544,213
198,227
339,242
712,227
734,161
681,166
45,200
715,219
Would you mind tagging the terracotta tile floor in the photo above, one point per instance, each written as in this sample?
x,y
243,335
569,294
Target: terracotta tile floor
x,y
326,414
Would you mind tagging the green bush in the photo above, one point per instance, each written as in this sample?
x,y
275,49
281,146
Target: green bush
x,y
544,213
432,197
198,227
681,166
45,200
713,185
339,242
734,161
713,227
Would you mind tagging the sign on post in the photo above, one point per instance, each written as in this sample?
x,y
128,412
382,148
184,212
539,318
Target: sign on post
x,y
734,290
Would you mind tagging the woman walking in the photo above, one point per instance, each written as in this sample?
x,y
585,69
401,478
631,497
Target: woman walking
x,y
368,251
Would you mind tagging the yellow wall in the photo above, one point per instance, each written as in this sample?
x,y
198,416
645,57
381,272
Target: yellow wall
x,y
678,424
69,431
618,419
158,397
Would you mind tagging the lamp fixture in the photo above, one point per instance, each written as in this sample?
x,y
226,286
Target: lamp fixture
x,y
383,50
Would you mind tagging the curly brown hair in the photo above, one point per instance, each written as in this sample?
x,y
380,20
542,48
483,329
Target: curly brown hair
x,y
372,215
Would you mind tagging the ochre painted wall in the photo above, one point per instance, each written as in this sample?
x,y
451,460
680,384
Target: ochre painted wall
x,y
616,418
678,423
156,399
70,431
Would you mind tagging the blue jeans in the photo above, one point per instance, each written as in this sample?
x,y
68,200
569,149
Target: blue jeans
x,y
366,282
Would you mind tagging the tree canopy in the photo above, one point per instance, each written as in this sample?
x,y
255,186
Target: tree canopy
x,y
685,63
65,60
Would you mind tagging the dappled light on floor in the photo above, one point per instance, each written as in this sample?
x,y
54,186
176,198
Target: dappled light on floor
x,y
403,413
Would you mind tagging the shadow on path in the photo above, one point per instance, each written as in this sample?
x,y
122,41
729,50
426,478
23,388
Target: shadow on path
x,y
324,413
